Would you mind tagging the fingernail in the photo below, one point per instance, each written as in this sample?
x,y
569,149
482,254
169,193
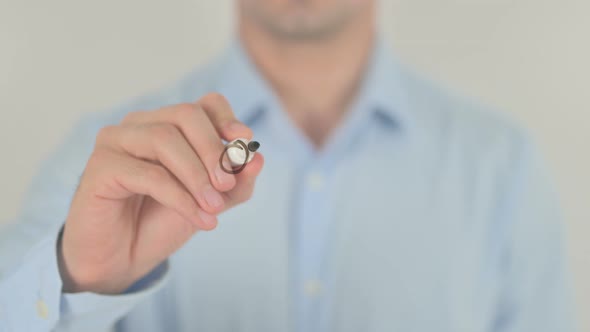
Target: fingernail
x,y
212,197
207,219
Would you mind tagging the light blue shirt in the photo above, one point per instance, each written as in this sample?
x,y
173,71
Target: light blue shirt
x,y
424,212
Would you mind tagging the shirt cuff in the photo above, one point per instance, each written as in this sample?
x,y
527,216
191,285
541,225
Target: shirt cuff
x,y
81,311
31,297
30,294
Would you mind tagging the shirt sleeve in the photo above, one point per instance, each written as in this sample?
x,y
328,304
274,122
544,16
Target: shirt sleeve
x,y
31,297
537,291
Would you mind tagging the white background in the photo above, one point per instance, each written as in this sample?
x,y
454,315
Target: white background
x,y
62,58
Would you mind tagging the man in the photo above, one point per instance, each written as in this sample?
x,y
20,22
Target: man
x,y
385,204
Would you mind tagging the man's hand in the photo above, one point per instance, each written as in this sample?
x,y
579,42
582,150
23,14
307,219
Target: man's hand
x,y
150,184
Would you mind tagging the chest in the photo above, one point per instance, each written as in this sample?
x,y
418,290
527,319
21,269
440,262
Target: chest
x,y
406,248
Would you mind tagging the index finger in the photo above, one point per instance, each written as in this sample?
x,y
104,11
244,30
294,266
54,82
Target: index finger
x,y
223,118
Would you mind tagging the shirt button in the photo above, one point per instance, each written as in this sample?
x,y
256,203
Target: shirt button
x,y
315,181
313,288
42,310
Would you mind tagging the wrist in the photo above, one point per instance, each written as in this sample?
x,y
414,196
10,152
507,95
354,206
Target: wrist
x,y
68,284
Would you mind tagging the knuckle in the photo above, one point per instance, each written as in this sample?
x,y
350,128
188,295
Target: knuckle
x,y
133,116
184,110
164,132
97,166
99,156
154,174
105,133
215,99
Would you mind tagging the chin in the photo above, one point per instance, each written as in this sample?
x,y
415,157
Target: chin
x,y
302,19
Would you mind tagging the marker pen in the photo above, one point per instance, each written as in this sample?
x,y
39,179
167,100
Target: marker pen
x,y
239,153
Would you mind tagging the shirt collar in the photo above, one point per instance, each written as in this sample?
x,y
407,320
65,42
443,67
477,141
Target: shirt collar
x,y
250,95
240,82
382,91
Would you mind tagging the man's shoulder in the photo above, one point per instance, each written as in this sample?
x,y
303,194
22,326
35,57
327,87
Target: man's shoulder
x,y
451,117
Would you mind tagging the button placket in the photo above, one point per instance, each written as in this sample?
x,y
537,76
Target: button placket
x,y
314,225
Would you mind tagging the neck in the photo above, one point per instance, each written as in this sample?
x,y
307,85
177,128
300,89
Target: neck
x,y
315,80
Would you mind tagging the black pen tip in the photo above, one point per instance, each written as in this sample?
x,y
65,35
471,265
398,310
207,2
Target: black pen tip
x,y
253,146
